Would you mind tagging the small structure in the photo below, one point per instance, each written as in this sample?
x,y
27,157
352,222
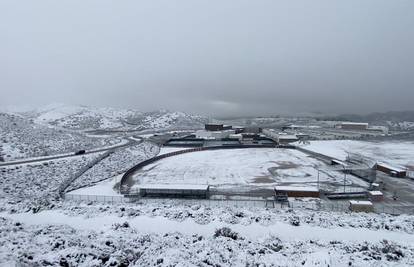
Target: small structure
x,y
238,129
391,170
361,206
375,196
375,186
174,190
293,191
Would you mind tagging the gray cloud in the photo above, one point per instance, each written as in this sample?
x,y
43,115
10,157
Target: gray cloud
x,y
211,57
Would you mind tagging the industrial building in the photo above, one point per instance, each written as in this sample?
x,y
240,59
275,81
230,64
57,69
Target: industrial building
x,y
361,126
203,134
391,170
174,190
375,196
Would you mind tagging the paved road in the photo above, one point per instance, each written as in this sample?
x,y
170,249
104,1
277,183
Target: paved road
x,y
403,188
23,161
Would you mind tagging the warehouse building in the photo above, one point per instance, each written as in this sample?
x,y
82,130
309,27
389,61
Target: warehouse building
x,y
391,170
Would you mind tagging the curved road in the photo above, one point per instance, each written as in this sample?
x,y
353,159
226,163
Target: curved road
x,y
31,160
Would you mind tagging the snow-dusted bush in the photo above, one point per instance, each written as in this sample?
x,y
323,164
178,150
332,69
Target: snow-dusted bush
x,y
226,232
35,185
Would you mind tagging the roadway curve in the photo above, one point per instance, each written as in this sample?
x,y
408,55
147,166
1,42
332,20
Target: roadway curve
x,y
32,160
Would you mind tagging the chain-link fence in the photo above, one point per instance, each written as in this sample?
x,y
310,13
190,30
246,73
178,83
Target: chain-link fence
x,y
330,206
96,198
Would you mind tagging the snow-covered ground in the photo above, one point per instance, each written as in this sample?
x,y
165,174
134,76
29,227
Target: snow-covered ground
x,y
35,185
168,233
394,153
108,187
253,167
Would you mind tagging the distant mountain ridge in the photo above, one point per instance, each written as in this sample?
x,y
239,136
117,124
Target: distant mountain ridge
x,y
378,116
394,119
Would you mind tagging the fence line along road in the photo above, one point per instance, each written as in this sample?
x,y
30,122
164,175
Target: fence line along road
x,y
79,173
97,198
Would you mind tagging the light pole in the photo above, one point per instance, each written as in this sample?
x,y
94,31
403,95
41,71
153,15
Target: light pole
x,y
344,179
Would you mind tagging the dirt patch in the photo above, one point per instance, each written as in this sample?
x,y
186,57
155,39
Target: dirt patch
x,y
263,180
283,165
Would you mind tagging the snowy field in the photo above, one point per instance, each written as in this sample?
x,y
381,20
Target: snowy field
x,y
108,187
252,167
394,153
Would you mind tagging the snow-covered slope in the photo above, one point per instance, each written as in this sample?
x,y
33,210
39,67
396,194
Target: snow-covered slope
x,y
92,118
81,117
163,119
22,138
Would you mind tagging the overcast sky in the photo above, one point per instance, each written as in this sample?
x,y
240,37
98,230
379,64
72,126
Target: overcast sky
x,y
213,57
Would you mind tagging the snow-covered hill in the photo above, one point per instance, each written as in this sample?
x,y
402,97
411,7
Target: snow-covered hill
x,y
92,118
20,137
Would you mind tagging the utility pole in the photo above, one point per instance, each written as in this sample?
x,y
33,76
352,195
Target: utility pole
x,y
318,179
